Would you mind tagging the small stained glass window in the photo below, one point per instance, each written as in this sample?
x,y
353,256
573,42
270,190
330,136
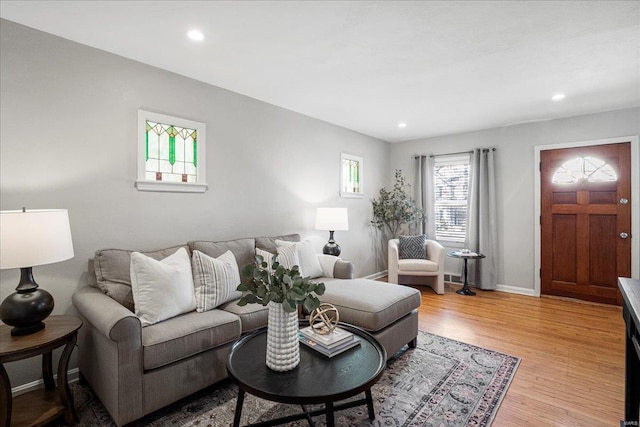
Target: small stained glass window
x,y
351,175
590,169
171,154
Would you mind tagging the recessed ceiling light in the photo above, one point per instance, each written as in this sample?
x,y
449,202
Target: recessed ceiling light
x,y
402,125
195,35
558,97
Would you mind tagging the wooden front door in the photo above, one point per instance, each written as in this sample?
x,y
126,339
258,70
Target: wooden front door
x,y
586,221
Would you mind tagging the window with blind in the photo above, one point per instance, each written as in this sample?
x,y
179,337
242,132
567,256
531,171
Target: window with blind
x,y
451,195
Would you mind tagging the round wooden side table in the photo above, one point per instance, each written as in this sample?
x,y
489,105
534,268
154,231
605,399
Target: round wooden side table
x,y
39,407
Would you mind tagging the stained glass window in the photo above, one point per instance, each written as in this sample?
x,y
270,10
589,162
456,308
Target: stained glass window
x,y
590,169
170,154
351,175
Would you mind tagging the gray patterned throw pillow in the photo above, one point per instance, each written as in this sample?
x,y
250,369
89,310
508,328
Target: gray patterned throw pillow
x,y
413,247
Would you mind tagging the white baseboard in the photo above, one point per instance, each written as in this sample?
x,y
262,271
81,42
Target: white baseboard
x,y
455,279
377,275
516,290
72,376
507,289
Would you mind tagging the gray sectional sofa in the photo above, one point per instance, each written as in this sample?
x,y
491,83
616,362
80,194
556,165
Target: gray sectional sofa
x,y
136,370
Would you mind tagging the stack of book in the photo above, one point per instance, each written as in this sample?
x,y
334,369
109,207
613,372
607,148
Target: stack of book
x,y
330,344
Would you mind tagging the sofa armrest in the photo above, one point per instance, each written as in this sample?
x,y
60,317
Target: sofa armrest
x,y
105,314
392,266
435,253
343,269
335,267
110,354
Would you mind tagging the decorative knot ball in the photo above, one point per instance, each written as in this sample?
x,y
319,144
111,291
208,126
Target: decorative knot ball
x,y
324,319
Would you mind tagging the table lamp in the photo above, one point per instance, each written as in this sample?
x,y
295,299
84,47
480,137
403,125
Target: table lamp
x,y
332,219
30,238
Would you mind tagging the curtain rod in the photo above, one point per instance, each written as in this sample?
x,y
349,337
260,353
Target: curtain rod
x,y
453,154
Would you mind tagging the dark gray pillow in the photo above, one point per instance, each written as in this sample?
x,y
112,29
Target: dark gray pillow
x,y
413,247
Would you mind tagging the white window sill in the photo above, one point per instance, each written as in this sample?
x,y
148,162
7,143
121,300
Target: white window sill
x,y
352,195
173,187
454,242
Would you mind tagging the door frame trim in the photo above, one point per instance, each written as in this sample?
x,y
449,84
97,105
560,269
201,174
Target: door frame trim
x,y
635,200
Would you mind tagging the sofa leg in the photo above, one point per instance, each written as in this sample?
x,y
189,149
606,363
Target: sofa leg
x,y
413,343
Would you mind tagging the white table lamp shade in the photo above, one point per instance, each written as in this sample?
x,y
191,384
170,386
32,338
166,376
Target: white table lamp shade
x,y
34,237
332,219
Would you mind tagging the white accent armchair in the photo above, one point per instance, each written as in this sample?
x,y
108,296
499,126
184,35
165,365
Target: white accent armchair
x,y
428,271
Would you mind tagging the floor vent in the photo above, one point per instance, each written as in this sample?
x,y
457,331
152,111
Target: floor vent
x,y
452,278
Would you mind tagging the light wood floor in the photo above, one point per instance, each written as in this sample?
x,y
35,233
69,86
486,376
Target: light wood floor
x,y
572,354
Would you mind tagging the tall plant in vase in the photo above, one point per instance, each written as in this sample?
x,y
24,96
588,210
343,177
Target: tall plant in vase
x,y
393,209
283,290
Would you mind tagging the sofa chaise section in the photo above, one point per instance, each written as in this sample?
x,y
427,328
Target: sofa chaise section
x,y
388,312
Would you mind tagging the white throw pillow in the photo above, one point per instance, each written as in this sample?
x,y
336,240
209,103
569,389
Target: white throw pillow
x,y
266,256
161,289
288,257
309,263
215,280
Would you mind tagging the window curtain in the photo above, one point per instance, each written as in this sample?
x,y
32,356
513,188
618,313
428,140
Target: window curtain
x,y
482,234
423,189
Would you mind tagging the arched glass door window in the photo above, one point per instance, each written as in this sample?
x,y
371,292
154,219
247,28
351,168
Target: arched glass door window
x,y
590,169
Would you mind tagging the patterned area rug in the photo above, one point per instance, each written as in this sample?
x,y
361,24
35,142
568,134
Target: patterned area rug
x,y
441,383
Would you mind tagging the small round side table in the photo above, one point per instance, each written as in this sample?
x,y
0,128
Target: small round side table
x,y
39,407
465,256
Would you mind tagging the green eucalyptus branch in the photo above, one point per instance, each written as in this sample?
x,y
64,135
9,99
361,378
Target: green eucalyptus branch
x,y
280,285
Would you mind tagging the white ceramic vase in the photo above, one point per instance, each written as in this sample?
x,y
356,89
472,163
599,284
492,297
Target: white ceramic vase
x,y
283,348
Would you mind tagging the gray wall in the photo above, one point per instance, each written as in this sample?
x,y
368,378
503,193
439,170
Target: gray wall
x,y
68,140
515,176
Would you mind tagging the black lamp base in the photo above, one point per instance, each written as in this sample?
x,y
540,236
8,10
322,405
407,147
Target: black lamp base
x,y
28,307
331,248
27,330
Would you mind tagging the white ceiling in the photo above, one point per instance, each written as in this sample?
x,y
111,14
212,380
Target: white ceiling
x,y
440,66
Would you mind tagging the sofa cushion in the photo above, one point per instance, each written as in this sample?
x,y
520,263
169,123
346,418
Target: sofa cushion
x,y
113,271
413,247
309,263
161,289
215,279
184,336
243,249
252,316
269,243
355,304
417,265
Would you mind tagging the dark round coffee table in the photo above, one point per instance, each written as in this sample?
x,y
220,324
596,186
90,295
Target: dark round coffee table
x,y
316,380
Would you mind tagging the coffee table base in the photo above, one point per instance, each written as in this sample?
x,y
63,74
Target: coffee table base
x,y
329,410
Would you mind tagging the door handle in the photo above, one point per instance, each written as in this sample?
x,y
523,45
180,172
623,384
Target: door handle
x,y
624,235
